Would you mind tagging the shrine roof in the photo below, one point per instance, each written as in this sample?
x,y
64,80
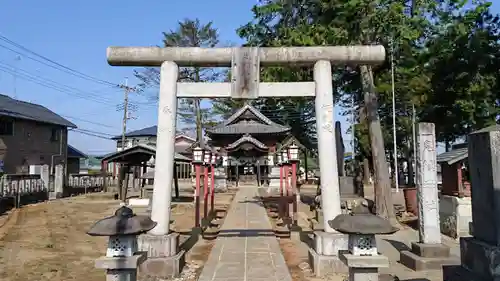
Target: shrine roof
x,y
288,141
453,156
248,120
140,149
244,139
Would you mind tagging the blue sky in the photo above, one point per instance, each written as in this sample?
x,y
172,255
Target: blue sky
x,y
76,34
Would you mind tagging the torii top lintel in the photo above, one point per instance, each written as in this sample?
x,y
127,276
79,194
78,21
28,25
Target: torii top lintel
x,y
222,57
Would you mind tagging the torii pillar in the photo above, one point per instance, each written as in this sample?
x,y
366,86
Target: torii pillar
x,y
245,62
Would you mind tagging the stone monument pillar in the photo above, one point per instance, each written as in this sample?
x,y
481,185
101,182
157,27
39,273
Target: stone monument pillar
x,y
220,179
324,258
339,141
45,177
274,175
346,183
480,254
58,182
429,253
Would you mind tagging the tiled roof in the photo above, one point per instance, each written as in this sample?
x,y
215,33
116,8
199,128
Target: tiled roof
x,y
144,132
246,138
453,156
75,153
149,132
249,127
263,125
150,149
30,111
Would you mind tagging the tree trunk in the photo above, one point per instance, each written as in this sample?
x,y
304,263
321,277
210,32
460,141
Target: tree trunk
x,y
383,196
366,171
199,129
124,189
121,182
409,159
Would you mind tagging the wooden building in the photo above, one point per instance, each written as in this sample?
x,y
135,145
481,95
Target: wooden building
x,y
249,139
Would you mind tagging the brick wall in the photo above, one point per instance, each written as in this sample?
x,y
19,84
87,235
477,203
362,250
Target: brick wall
x,y
32,144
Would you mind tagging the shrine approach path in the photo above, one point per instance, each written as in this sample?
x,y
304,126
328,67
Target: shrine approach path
x,y
246,248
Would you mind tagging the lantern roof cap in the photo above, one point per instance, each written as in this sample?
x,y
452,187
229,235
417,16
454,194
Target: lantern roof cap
x,y
123,222
362,223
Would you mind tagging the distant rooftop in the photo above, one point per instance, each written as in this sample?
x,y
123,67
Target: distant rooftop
x,y
30,111
75,153
144,132
148,132
453,156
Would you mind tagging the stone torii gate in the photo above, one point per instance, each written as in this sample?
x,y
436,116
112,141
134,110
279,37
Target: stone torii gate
x,y
245,63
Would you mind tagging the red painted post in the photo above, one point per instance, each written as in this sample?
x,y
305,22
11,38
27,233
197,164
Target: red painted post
x,y
196,195
281,179
205,191
294,191
286,177
212,188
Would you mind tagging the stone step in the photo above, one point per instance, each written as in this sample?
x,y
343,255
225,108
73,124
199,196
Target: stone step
x,y
419,263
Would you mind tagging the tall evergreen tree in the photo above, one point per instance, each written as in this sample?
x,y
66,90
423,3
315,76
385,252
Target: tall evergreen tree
x,y
189,33
445,56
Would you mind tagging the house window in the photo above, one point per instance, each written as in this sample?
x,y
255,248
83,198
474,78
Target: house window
x,y
6,127
54,135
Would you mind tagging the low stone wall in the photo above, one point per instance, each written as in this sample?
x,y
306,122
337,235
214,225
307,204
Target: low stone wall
x,y
9,202
21,189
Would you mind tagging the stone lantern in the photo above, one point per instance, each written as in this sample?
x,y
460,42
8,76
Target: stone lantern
x,y
284,157
207,157
197,155
362,258
293,151
122,256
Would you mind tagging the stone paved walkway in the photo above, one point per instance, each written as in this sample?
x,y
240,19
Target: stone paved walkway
x,y
246,248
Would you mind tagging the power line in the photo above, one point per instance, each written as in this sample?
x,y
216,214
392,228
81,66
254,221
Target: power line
x,y
89,134
64,68
95,132
87,121
15,69
56,86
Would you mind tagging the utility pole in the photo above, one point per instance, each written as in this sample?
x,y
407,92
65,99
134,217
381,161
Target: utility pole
x,y
396,182
353,135
124,168
127,89
16,60
414,137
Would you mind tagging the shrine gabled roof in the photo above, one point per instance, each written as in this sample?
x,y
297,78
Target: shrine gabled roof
x,y
288,141
244,139
260,125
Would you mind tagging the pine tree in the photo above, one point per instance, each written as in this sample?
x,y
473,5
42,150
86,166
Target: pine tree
x,y
189,33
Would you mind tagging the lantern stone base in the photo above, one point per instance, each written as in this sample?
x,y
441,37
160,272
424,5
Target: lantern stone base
x,y
427,257
324,257
121,268
164,258
161,268
363,268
